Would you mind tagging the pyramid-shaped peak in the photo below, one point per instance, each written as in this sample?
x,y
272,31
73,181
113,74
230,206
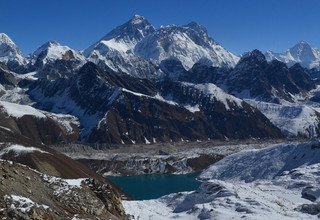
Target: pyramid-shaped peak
x,y
46,46
255,54
196,26
136,28
302,45
50,43
4,38
136,19
302,42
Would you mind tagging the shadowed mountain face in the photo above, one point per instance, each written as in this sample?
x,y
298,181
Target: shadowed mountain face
x,y
267,81
140,84
253,77
115,108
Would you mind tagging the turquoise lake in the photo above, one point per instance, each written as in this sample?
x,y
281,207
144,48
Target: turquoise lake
x,y
153,186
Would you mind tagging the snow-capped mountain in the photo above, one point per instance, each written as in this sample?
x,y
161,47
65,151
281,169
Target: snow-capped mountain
x,y
255,78
137,45
301,53
252,78
189,44
125,37
52,51
10,54
115,50
180,68
53,60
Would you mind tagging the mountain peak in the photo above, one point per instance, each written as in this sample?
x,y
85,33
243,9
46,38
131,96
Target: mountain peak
x,y
9,52
124,37
45,46
137,19
255,54
188,43
136,28
196,26
5,39
302,42
302,52
301,45
50,43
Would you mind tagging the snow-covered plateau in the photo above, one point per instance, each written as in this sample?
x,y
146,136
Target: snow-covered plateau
x,y
277,182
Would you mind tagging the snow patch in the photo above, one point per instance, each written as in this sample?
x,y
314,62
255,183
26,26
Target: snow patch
x,y
18,111
22,204
216,93
293,119
19,149
192,109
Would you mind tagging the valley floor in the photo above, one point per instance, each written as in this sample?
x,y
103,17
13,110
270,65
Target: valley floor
x,y
177,158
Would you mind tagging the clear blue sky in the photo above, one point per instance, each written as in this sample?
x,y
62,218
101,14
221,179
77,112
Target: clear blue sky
x,y
239,25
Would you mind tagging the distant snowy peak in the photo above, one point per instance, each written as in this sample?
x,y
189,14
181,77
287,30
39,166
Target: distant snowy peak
x,y
9,51
138,40
189,44
134,29
52,51
301,53
115,50
124,37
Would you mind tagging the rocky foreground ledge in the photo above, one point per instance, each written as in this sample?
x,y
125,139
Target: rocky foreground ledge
x,y
28,194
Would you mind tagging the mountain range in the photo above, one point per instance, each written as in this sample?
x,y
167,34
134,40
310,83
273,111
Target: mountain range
x,y
141,84
145,100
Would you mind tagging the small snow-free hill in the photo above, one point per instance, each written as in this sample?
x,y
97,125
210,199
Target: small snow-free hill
x,y
27,122
278,182
29,194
